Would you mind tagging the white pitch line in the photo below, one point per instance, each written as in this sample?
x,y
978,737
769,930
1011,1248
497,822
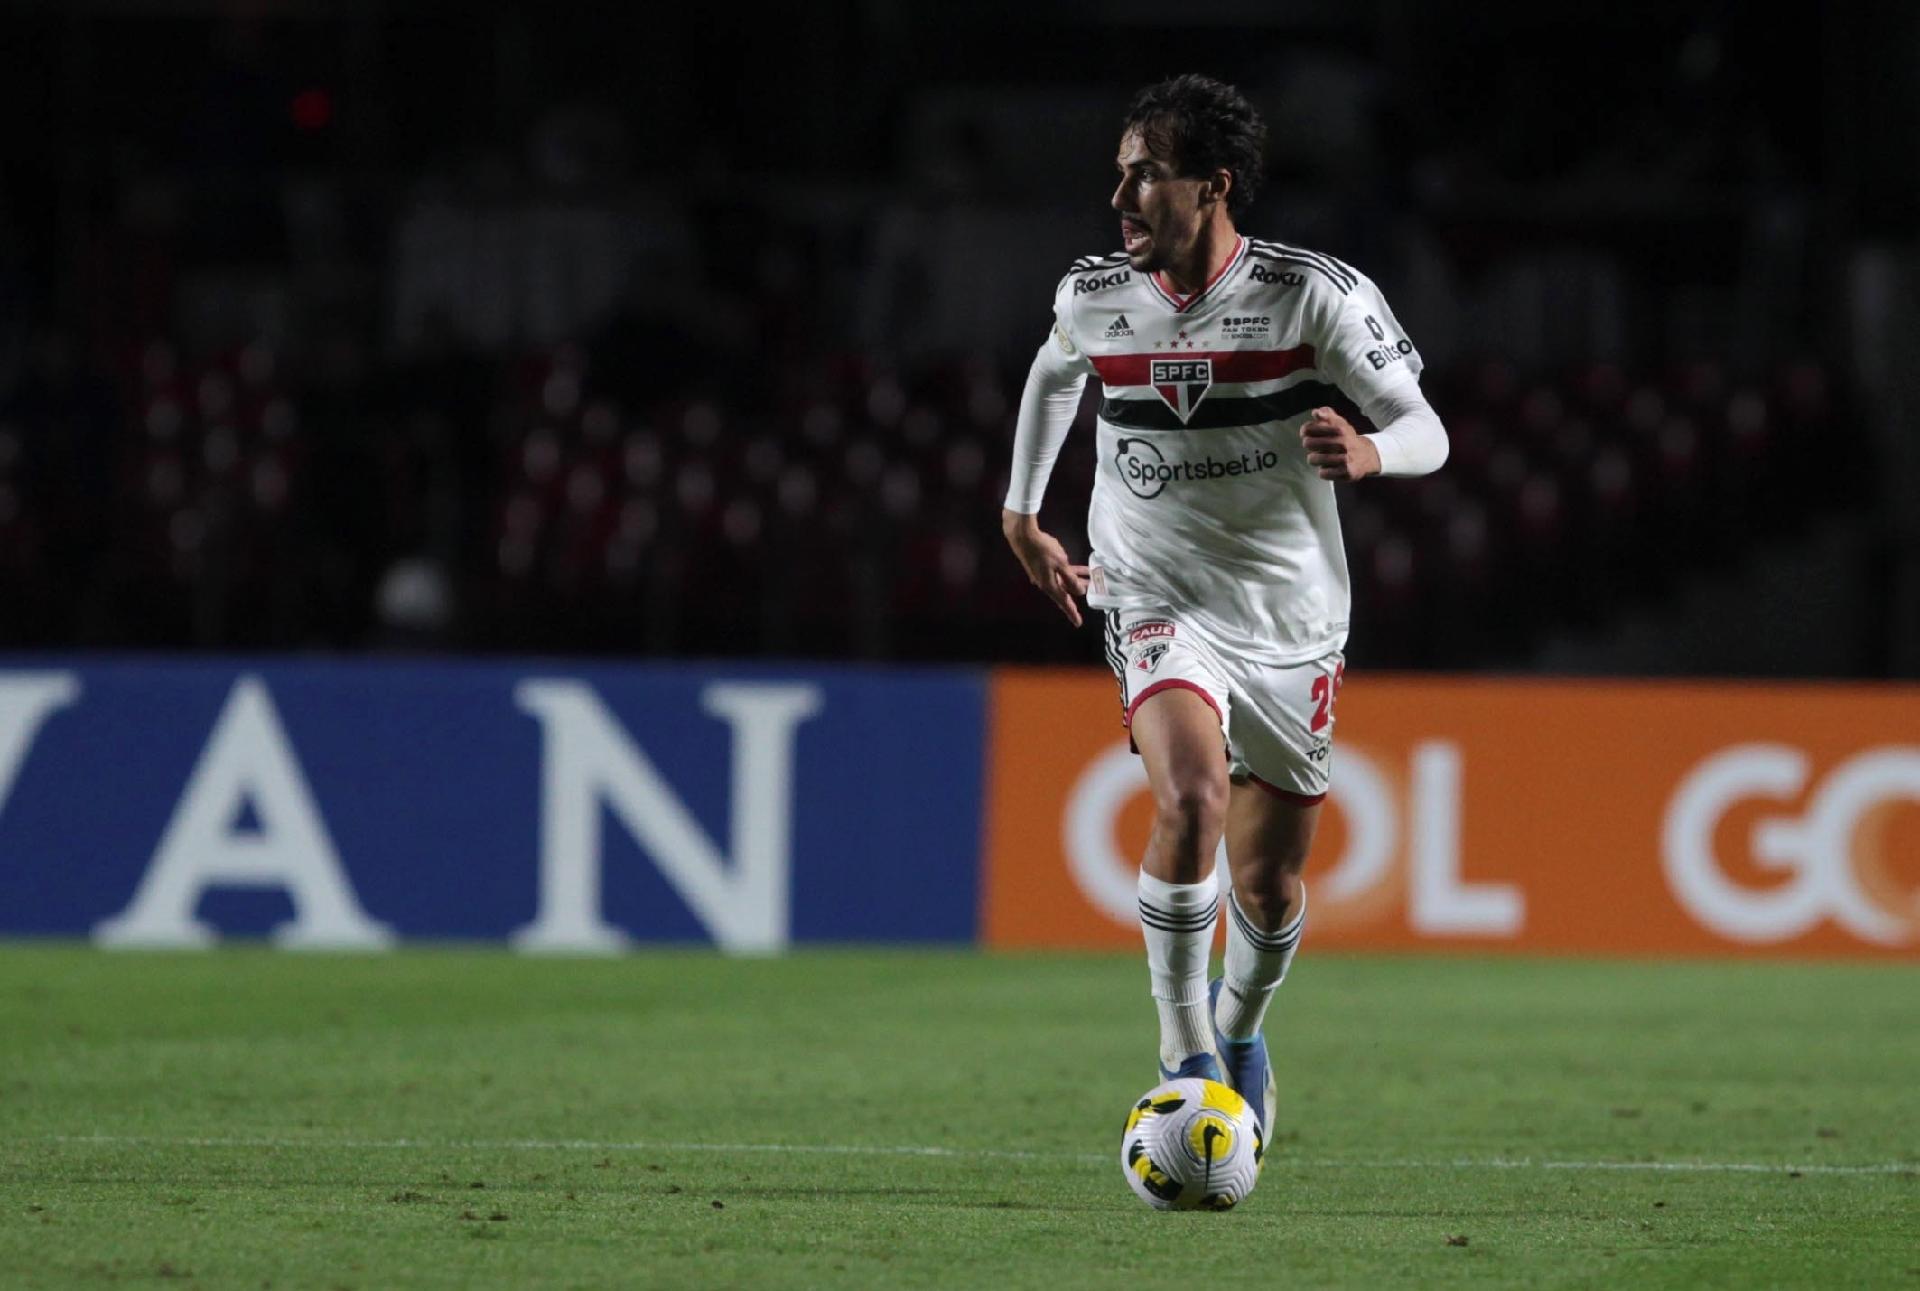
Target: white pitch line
x,y
569,1145
987,1154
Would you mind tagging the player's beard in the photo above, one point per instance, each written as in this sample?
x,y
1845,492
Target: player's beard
x,y
1153,257
1159,250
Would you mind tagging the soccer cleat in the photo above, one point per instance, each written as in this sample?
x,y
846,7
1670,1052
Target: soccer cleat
x,y
1245,1061
1202,1066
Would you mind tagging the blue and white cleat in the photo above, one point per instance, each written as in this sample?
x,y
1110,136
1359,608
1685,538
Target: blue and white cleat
x,y
1248,1071
1202,1066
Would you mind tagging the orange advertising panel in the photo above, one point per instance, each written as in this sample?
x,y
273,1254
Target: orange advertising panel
x,y
1590,817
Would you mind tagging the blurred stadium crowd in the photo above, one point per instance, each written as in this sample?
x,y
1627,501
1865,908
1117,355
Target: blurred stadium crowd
x,y
360,326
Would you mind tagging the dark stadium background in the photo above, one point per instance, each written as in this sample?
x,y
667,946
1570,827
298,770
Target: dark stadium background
x,y
478,484
644,330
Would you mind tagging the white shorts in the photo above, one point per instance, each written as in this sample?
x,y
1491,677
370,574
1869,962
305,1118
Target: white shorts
x,y
1278,721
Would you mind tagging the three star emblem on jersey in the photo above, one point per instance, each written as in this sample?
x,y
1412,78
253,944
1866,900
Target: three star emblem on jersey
x,y
1183,383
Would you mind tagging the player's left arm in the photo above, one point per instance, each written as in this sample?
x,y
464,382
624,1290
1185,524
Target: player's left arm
x,y
1409,440
1365,350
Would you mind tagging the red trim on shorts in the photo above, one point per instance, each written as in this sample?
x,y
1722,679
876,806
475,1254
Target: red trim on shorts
x,y
1287,795
1169,684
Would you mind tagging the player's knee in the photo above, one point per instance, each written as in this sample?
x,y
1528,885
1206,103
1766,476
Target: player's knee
x,y
1195,809
1268,892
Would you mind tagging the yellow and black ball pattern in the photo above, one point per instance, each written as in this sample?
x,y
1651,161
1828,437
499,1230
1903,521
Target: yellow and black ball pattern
x,y
1191,1145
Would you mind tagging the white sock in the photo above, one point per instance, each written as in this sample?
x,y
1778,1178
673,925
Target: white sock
x,y
1256,965
1177,919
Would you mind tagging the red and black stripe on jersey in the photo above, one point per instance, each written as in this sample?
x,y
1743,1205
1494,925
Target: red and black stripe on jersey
x,y
1123,372
1224,412
1235,367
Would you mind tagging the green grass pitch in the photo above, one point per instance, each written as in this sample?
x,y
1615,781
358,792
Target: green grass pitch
x,y
457,1118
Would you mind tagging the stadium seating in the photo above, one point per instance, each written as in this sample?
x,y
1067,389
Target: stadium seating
x,y
866,522
858,516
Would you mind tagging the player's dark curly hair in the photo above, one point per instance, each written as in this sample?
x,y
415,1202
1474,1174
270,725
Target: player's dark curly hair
x,y
1202,125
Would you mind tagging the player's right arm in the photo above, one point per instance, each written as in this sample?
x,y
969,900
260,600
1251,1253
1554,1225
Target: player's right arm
x,y
1047,408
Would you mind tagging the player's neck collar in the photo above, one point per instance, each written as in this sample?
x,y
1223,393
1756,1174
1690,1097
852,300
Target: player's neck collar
x,y
1181,304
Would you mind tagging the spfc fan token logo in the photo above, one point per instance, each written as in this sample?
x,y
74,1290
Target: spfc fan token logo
x,y
1150,657
1183,383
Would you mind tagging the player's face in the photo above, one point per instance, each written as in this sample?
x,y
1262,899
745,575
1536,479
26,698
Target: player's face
x,y
1160,214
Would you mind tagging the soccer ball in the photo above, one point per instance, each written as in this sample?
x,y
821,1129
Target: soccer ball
x,y
1191,1145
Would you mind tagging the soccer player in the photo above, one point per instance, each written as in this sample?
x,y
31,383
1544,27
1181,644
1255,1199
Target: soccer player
x,y
1226,362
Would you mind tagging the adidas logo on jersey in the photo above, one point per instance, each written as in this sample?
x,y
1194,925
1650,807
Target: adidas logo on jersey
x,y
1119,328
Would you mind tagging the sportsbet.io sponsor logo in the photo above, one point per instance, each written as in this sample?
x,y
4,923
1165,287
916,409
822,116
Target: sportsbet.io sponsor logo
x,y
1147,472
1140,465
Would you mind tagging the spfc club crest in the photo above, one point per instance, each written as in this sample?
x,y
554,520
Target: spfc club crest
x,y
1150,658
1183,383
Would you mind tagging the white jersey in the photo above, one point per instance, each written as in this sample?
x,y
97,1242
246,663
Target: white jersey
x,y
1204,502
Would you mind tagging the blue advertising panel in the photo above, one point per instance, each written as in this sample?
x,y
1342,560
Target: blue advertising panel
x,y
557,806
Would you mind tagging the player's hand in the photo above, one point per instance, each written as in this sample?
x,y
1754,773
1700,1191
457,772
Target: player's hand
x,y
1046,562
1336,450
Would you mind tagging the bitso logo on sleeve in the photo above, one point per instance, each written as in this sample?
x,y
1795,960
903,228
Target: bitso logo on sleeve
x,y
1183,383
